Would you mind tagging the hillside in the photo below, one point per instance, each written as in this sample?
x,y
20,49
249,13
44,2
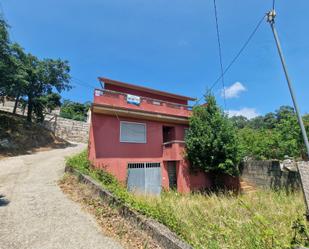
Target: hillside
x,y
17,136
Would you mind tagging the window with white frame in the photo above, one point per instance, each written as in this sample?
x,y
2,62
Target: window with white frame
x,y
131,132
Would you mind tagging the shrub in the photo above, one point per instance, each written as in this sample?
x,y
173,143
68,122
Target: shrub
x,y
211,140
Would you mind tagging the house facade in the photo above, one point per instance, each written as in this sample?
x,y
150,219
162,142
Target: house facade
x,y
137,134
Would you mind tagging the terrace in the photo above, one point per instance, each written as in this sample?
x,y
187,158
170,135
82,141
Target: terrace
x,y
119,101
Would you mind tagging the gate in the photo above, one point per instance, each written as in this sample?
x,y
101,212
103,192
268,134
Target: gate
x,y
144,178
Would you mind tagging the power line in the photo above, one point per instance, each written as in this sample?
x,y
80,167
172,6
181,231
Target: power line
x,y
240,52
82,83
220,51
243,47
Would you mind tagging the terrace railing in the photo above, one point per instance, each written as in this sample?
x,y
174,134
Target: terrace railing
x,y
120,99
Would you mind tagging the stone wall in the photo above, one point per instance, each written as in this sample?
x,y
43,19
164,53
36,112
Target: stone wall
x,y
68,129
270,175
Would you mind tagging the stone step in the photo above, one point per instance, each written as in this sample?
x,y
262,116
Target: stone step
x,y
246,187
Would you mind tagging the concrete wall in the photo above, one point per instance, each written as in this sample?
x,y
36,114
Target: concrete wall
x,y
269,174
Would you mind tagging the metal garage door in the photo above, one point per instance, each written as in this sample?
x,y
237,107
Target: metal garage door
x,y
144,178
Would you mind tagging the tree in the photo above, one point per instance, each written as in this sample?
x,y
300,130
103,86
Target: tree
x,y
259,144
6,64
239,121
74,110
211,140
42,78
270,120
46,104
28,79
273,136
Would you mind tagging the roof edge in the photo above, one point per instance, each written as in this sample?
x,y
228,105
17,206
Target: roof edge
x,y
145,89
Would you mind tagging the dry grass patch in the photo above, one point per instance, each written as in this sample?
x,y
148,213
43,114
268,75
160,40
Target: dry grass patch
x,y
260,220
112,224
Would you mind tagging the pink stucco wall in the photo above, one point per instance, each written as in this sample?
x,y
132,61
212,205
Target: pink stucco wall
x,y
106,151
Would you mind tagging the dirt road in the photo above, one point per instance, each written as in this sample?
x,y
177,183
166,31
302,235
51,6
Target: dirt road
x,y
34,213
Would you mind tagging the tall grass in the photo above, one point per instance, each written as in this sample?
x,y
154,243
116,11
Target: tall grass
x,y
260,220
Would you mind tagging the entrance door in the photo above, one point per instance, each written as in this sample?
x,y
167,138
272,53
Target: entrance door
x,y
172,174
144,178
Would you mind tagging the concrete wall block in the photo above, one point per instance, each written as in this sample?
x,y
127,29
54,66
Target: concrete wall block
x,y
269,174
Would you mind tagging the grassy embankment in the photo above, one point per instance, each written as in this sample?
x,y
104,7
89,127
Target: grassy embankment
x,y
256,221
18,136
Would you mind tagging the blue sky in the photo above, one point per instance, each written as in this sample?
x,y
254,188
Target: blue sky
x,y
171,46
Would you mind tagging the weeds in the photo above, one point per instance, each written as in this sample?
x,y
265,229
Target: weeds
x,y
263,220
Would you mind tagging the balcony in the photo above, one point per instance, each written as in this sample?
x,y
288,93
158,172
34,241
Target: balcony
x,y
173,150
117,101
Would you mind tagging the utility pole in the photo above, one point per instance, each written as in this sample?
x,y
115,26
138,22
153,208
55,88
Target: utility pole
x,y
271,15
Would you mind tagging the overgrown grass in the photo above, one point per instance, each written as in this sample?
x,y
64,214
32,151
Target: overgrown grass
x,y
256,221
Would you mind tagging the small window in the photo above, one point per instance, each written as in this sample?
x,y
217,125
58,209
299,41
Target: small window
x,y
132,132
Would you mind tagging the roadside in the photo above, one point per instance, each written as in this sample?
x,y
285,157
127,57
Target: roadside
x,y
34,213
109,219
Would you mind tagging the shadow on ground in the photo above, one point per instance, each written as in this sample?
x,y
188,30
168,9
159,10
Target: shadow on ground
x,y
3,201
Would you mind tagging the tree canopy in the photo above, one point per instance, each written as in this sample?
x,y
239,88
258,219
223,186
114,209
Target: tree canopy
x,y
272,136
211,140
28,79
75,110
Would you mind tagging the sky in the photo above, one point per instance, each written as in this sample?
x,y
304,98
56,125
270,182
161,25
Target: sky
x,y
171,46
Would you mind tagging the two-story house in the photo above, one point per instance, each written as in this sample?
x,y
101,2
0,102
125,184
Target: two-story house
x,y
137,134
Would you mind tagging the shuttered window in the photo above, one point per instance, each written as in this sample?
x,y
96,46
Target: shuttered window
x,y
131,132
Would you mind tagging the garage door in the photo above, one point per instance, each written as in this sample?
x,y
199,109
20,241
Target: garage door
x,y
144,178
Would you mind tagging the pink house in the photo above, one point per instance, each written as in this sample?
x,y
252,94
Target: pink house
x,y
137,134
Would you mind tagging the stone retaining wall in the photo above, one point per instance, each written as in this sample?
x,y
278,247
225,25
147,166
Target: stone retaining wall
x,y
269,174
68,129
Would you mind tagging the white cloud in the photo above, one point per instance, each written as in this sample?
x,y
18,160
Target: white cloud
x,y
246,112
233,91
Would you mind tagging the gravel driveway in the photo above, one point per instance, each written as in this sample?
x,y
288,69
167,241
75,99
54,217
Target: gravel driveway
x,y
34,213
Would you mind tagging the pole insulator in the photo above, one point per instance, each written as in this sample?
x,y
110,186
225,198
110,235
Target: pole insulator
x,y
271,15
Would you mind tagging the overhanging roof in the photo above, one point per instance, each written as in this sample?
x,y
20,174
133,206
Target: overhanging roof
x,y
144,89
123,112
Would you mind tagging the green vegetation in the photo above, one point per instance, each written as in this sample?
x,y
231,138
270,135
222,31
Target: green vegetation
x,y
271,136
263,220
31,81
74,110
211,140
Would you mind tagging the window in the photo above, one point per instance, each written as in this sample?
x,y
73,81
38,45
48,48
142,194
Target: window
x,y
132,132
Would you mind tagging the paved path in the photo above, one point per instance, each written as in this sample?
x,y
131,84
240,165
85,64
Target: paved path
x,y
35,214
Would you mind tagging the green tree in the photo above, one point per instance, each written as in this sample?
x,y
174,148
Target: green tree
x,y
46,104
239,121
6,63
211,140
259,144
43,77
290,137
74,110
273,136
257,123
